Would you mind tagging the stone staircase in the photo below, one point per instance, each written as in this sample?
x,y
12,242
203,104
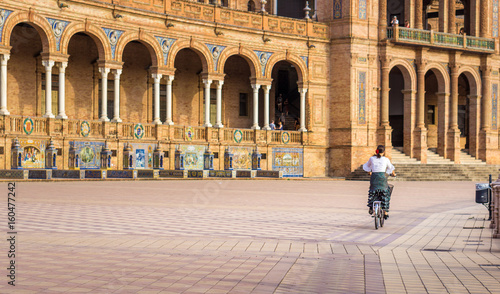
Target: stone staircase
x,y
437,169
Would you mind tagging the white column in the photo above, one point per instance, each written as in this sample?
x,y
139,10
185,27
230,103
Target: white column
x,y
303,109
157,79
62,91
207,102
275,12
266,89
3,84
104,98
48,64
116,101
169,80
218,123
255,125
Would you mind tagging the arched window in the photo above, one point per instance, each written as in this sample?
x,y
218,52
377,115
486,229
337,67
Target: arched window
x,y
251,5
225,3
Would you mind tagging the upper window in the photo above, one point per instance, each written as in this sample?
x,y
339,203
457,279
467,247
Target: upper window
x,y
251,5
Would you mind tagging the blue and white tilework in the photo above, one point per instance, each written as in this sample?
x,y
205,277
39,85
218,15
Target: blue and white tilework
x,y
58,27
165,44
113,37
289,160
4,14
216,51
263,58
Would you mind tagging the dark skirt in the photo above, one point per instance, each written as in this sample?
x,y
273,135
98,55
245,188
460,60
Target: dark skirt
x,y
379,190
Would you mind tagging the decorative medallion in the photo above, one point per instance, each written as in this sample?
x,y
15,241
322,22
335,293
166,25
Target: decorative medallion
x,y
285,137
138,131
85,128
58,27
238,136
28,126
4,14
216,50
264,58
189,133
165,44
113,36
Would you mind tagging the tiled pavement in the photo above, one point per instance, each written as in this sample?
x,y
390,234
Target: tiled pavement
x,y
248,237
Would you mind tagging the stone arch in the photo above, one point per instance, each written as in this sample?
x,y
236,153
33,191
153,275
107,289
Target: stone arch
x,y
97,34
246,54
473,78
199,48
300,64
442,76
147,40
408,71
41,25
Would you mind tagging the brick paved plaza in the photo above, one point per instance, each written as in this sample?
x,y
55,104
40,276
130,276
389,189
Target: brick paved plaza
x,y
273,236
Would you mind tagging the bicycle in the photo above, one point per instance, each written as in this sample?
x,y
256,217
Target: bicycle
x,y
378,214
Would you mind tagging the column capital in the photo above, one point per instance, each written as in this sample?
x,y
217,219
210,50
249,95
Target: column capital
x,y
303,90
104,71
4,58
385,60
255,87
207,82
219,83
266,88
117,73
48,64
111,64
446,94
169,79
487,70
157,77
62,66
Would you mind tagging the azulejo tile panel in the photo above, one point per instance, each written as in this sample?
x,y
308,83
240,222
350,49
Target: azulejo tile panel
x,y
145,174
220,174
243,174
66,174
37,174
242,158
11,174
171,174
289,160
89,154
143,155
93,174
495,18
193,156
195,174
337,9
33,153
121,174
4,14
494,106
362,98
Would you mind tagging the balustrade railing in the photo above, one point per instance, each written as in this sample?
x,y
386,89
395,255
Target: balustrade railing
x,y
18,125
439,39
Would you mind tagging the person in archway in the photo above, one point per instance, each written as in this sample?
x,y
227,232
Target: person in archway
x,y
297,124
285,105
272,125
280,126
279,100
394,21
378,165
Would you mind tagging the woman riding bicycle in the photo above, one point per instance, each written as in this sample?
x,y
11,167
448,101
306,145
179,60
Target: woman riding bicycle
x,y
378,165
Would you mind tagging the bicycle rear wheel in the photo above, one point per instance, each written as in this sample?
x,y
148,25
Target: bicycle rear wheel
x,y
382,218
377,216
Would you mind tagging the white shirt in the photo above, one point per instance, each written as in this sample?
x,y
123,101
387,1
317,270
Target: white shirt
x,y
379,165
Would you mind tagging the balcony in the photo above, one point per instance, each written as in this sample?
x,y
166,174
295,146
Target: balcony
x,y
403,35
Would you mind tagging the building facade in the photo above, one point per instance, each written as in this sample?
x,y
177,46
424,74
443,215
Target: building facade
x,y
193,75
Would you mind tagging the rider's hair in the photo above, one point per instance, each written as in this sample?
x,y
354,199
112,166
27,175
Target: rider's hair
x,y
380,150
